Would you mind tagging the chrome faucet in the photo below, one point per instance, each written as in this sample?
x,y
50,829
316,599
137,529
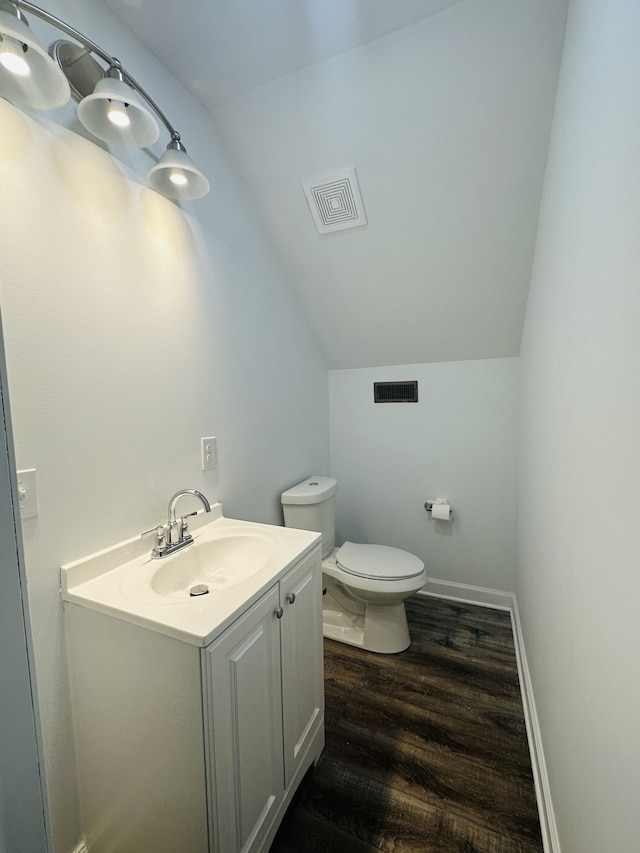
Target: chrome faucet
x,y
174,535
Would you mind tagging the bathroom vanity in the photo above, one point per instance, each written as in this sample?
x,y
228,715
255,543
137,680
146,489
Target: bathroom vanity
x,y
196,717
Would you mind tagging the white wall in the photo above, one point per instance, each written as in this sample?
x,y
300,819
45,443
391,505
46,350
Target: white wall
x,y
458,442
132,328
579,502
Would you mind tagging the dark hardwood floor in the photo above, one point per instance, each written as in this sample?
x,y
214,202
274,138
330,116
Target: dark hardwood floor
x,y
426,750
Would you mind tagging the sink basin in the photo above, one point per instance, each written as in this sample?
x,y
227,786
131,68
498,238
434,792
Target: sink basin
x,y
217,563
236,561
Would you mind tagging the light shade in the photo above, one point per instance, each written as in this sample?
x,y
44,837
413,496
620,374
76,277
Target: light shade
x,y
43,86
114,96
175,176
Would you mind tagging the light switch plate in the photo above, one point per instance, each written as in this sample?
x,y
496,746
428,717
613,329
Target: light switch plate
x,y
27,493
209,453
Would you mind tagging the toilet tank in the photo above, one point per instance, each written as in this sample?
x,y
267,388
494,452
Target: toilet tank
x,y
311,506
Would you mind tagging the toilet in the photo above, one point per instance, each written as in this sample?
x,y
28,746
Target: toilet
x,y
366,585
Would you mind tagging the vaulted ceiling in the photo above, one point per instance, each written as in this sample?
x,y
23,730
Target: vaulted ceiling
x,y
444,109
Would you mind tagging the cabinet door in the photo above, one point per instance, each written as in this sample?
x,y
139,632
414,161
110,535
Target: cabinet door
x,y
302,659
245,766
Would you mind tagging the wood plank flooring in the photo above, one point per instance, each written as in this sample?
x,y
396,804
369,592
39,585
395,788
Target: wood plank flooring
x,y
426,750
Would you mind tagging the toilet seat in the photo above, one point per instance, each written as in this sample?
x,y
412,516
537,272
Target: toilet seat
x,y
378,562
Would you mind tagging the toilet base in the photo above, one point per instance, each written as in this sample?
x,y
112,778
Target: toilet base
x,y
381,628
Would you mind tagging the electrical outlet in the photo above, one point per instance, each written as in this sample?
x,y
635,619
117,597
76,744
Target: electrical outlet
x,y
27,493
209,453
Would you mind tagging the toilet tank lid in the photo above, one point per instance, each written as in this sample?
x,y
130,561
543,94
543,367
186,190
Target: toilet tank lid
x,y
311,491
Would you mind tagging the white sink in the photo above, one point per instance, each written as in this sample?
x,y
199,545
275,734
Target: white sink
x,y
236,560
217,563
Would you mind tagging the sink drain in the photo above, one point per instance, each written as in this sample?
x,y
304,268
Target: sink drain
x,y
199,589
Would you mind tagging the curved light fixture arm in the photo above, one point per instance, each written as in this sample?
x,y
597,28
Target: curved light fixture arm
x,y
106,57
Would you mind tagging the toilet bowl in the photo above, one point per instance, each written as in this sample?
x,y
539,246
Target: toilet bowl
x,y
366,589
365,585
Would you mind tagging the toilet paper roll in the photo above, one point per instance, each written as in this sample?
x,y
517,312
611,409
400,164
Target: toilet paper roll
x,y
441,511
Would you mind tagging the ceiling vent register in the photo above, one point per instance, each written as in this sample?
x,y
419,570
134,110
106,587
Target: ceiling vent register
x,y
395,392
335,202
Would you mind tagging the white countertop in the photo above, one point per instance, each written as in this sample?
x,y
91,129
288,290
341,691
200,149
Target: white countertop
x,y
117,581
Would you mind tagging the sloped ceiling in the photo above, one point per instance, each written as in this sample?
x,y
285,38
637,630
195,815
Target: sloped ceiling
x,y
444,109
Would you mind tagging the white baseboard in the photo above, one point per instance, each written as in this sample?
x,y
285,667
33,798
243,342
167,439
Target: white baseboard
x,y
548,826
501,600
481,595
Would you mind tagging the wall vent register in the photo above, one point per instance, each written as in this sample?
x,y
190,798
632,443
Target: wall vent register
x,y
395,392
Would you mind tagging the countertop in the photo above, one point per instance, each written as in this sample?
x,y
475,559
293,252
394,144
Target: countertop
x,y
117,581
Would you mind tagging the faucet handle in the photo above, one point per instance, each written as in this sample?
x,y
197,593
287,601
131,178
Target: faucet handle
x,y
161,534
184,524
159,528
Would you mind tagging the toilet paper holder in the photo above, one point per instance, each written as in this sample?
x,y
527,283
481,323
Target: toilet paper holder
x,y
428,505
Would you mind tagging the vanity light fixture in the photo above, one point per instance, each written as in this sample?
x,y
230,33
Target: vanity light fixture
x,y
27,74
113,112
174,174
113,106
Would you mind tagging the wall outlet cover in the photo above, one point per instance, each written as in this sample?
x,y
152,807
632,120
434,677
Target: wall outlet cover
x,y
209,453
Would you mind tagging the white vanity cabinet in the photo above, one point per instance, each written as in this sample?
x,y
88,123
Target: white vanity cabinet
x,y
190,746
264,688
